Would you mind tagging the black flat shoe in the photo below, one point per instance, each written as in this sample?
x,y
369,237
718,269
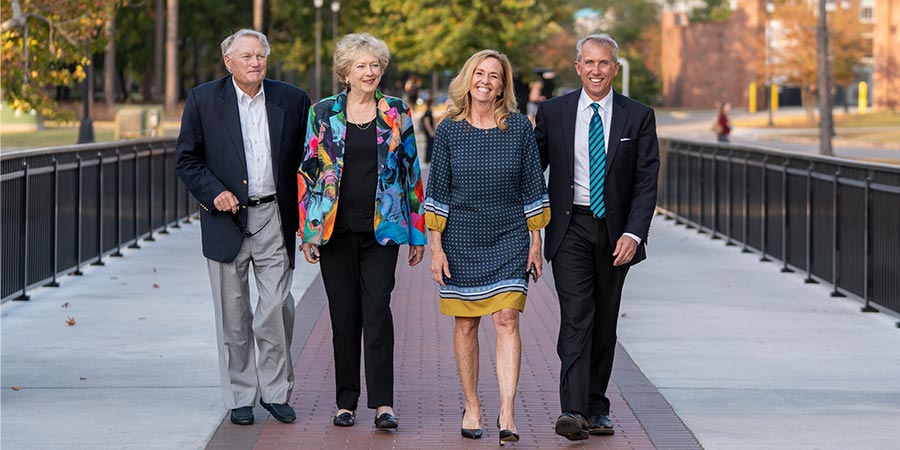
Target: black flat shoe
x,y
345,419
572,427
386,421
507,435
280,411
242,415
601,425
470,433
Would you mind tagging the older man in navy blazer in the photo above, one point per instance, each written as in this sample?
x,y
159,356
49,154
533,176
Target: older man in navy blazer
x,y
238,153
603,154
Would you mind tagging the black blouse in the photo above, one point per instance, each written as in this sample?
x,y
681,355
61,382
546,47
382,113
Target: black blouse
x,y
356,203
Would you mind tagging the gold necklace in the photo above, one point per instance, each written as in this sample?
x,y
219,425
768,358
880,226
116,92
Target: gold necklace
x,y
363,128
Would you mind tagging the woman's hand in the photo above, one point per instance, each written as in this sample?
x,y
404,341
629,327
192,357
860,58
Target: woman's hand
x,y
311,252
534,255
439,266
416,252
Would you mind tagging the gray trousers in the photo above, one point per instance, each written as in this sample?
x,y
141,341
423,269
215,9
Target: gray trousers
x,y
245,378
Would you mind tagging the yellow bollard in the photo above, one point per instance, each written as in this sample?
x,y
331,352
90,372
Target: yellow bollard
x,y
774,98
752,105
863,101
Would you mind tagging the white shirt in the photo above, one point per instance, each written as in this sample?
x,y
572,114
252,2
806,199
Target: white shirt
x,y
582,160
257,147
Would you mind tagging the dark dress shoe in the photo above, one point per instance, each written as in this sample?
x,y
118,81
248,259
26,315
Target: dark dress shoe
x,y
280,411
470,433
242,415
572,426
386,421
601,425
345,419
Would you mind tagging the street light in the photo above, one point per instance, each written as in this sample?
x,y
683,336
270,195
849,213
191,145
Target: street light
x,y
317,89
335,8
770,8
86,130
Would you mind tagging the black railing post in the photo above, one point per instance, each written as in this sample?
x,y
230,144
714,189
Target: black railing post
x,y
784,217
23,235
809,224
676,203
99,261
78,207
700,194
868,275
187,204
118,252
836,238
54,228
175,181
746,219
688,175
764,209
134,205
149,237
715,195
729,206
165,189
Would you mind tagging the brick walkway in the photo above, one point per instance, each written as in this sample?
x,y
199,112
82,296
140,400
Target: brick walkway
x,y
428,399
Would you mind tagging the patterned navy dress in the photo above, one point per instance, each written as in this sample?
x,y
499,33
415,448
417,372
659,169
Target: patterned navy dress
x,y
485,192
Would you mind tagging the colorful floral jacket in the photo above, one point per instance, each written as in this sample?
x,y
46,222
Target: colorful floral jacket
x,y
399,211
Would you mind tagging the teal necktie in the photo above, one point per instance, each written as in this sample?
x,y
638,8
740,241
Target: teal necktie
x,y
597,155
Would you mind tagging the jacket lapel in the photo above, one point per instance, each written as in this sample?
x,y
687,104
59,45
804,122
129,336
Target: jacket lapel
x,y
384,131
618,118
337,120
275,116
569,115
231,117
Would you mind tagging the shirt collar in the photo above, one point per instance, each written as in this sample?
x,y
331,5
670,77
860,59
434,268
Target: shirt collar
x,y
241,94
584,101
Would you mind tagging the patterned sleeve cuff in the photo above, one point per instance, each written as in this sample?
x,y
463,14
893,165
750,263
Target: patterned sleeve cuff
x,y
436,215
537,214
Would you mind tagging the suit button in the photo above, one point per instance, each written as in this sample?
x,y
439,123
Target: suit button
x,y
568,213
572,186
245,181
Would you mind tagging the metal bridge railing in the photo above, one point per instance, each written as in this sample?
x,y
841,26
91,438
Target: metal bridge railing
x,y
836,221
64,207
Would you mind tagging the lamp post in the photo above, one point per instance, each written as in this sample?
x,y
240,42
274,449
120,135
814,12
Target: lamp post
x,y
317,91
770,8
86,130
335,9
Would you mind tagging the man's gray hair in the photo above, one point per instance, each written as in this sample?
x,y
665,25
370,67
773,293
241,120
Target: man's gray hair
x,y
599,39
228,43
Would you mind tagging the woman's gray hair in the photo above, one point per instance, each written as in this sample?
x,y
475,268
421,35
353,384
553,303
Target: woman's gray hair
x,y
346,49
228,43
602,39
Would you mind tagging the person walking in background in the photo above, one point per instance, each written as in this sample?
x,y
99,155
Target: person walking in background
x,y
238,152
535,97
722,125
603,155
428,126
485,206
361,198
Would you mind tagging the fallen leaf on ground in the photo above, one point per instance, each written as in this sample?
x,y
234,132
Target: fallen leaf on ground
x,y
155,286
83,378
70,321
65,305
16,388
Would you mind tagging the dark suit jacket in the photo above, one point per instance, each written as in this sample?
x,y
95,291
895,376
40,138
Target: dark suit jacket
x,y
632,168
210,158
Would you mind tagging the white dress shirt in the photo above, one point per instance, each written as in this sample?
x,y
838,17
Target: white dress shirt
x,y
582,159
257,146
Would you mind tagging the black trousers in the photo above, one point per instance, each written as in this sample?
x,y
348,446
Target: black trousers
x,y
590,291
358,274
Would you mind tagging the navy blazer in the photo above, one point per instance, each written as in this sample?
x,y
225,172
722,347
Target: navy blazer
x,y
632,160
209,159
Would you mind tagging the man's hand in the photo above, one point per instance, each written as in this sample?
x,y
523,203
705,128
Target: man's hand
x,y
625,248
226,202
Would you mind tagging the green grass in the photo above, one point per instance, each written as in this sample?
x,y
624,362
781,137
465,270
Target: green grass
x,y
50,137
9,117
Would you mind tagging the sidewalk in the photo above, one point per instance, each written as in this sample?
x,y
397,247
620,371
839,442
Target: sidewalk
x,y
748,358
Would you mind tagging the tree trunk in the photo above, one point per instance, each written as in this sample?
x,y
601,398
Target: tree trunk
x,y
258,15
825,109
109,60
172,57
159,40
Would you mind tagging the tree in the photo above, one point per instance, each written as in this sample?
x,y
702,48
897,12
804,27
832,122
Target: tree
x,y
795,56
47,44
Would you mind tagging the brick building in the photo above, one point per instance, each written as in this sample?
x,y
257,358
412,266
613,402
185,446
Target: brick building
x,y
886,55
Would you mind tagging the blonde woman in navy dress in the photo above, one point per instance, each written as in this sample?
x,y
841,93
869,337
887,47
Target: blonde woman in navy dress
x,y
485,205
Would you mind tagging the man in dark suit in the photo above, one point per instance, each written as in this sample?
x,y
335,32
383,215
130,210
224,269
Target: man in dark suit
x,y
604,159
238,153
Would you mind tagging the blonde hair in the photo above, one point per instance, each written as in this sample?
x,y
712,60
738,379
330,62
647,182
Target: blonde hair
x,y
350,45
460,86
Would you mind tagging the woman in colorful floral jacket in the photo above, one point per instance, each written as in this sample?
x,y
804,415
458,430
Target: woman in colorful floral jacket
x,y
360,198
